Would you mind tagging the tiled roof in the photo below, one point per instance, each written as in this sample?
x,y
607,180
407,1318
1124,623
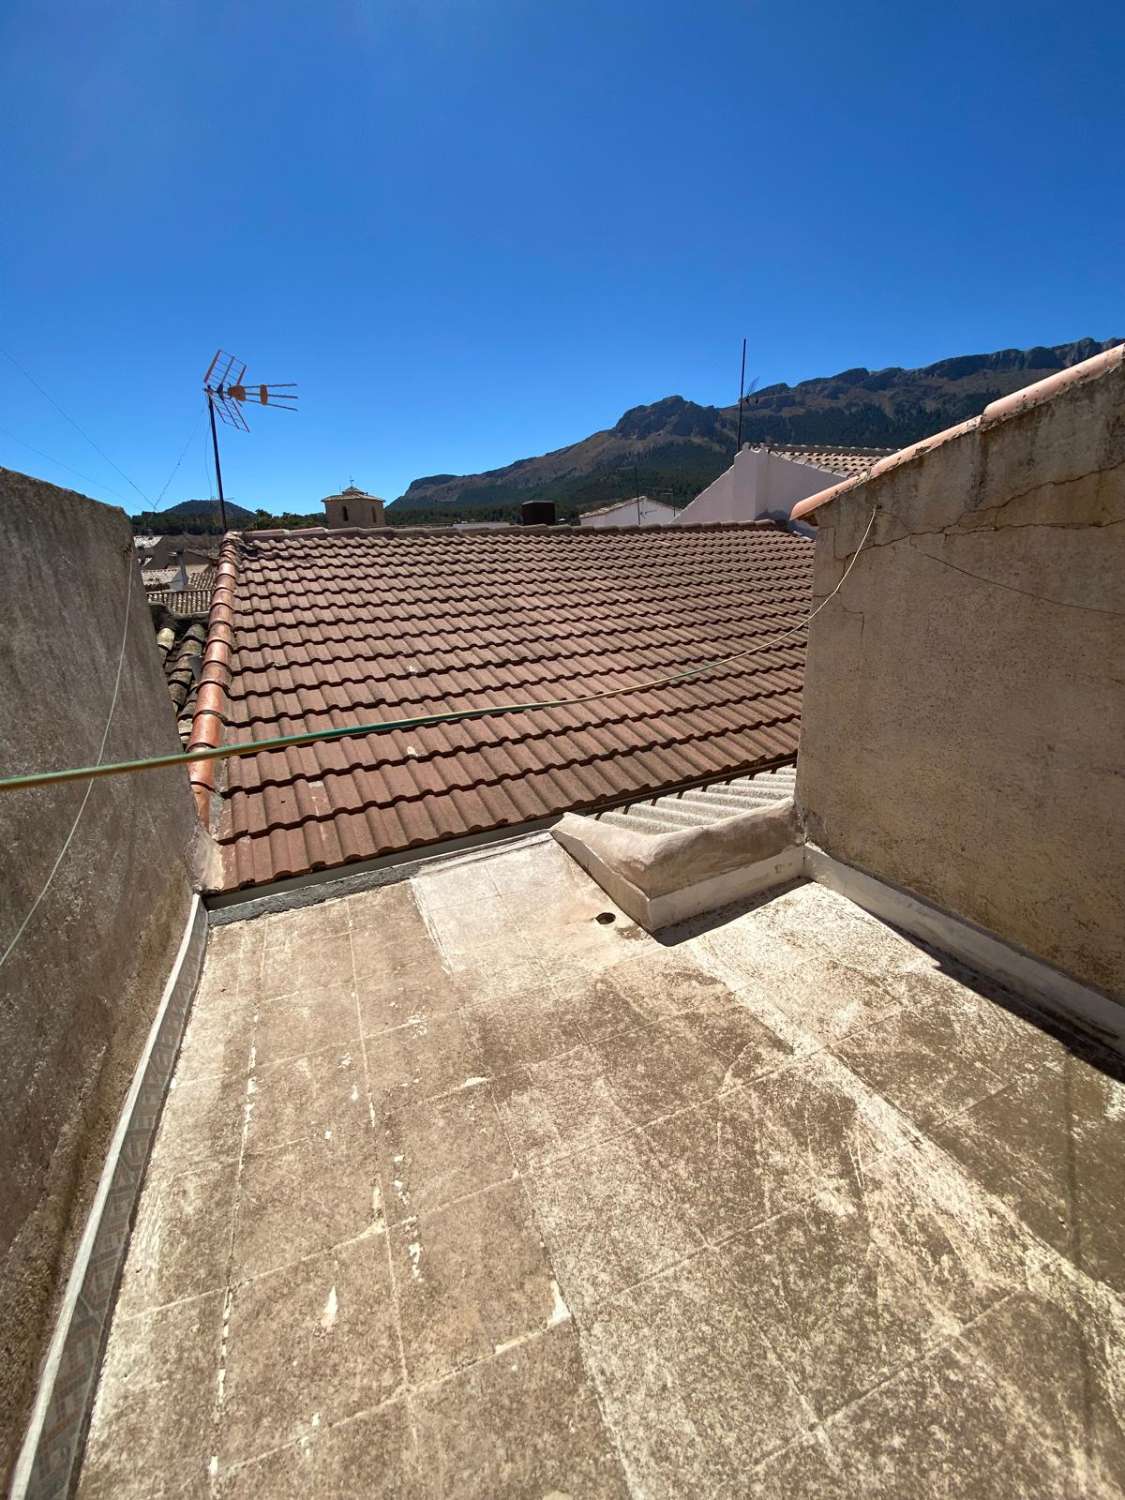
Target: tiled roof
x,y
162,553
180,643
164,578
837,460
318,628
194,600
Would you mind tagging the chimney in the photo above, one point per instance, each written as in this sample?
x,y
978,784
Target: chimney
x,y
537,513
180,582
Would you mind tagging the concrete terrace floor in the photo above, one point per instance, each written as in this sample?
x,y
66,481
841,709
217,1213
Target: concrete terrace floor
x,y
460,1192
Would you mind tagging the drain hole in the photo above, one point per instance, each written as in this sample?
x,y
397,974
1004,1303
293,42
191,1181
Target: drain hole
x,y
605,918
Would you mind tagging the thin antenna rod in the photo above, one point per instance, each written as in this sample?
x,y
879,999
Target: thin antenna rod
x,y
218,468
741,399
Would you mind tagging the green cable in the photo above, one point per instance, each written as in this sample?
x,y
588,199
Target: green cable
x,y
313,736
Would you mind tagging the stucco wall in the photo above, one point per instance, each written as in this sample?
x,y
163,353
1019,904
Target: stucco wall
x,y
652,513
354,510
963,724
758,483
789,480
81,986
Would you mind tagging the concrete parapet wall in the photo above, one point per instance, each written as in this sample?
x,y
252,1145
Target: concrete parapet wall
x,y
963,719
81,985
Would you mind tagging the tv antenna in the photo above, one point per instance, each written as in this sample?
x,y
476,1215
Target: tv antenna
x,y
743,395
226,391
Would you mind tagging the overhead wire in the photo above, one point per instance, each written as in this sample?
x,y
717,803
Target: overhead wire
x,y
68,418
153,506
192,435
58,463
315,736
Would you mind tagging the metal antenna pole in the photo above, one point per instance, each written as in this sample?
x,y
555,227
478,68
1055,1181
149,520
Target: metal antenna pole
x,y
741,399
218,468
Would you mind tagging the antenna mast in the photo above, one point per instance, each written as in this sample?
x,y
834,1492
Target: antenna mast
x,y
225,391
741,400
218,467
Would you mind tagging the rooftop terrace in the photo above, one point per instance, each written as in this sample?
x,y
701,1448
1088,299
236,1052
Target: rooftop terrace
x,y
467,1185
463,1189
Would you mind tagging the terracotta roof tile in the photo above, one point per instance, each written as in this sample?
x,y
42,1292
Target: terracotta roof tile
x,y
836,459
336,628
194,600
180,642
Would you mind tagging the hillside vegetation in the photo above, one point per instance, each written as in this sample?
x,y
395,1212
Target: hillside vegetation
x,y
191,517
677,447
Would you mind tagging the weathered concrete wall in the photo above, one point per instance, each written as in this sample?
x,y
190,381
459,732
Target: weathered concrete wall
x,y
963,726
79,989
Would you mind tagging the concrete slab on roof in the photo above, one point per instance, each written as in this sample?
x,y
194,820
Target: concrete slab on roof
x,y
782,1204
662,881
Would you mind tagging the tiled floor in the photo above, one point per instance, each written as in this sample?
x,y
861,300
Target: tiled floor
x,y
460,1192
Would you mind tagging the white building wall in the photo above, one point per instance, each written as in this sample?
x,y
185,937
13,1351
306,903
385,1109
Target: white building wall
x,y
789,480
652,513
758,483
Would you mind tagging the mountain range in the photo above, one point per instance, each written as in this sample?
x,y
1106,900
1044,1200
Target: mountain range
x,y
674,448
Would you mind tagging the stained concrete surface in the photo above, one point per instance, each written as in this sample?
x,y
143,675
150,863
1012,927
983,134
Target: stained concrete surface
x,y
83,979
460,1192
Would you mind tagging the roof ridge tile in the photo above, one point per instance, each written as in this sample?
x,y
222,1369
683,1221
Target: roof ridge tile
x,y
211,699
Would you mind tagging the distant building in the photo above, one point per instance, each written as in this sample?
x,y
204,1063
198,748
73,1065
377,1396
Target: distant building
x,y
162,553
638,512
176,567
769,481
354,507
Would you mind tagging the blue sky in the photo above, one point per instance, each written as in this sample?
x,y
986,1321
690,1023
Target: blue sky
x,y
473,230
